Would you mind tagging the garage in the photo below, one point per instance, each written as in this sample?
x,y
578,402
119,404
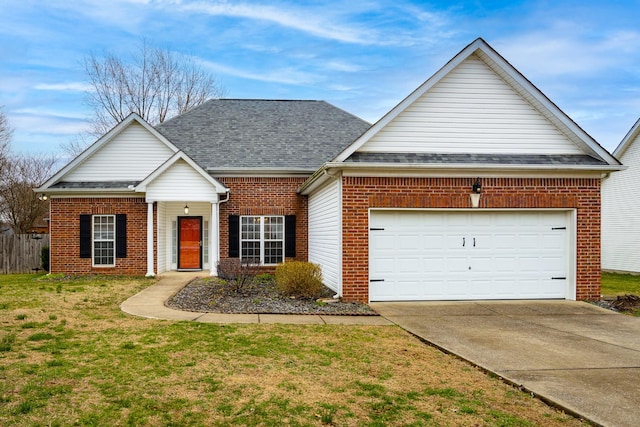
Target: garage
x,y
469,255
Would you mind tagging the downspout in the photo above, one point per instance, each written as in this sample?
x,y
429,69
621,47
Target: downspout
x,y
217,236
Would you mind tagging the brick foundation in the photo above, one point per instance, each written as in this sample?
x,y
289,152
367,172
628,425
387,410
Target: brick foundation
x,y
359,194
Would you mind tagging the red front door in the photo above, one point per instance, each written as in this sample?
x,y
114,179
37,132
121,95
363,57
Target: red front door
x,y
189,247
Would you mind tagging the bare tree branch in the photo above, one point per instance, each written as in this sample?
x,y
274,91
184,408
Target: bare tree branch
x,y
156,84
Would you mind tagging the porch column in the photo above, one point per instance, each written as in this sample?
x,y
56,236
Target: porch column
x,y
150,272
214,240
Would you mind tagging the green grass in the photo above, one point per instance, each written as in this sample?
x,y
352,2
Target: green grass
x,y
613,284
78,360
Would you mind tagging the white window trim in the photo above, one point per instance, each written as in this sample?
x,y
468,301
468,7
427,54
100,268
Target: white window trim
x,y
262,239
94,240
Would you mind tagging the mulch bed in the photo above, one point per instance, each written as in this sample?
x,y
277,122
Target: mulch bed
x,y
622,303
212,295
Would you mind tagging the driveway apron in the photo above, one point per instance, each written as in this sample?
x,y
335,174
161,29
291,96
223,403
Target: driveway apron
x,y
577,356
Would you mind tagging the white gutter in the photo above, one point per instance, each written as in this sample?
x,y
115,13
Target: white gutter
x,y
321,175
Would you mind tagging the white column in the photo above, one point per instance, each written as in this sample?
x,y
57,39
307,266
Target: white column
x,y
214,240
150,272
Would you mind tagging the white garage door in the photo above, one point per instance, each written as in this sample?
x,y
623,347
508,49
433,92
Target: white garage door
x,y
418,255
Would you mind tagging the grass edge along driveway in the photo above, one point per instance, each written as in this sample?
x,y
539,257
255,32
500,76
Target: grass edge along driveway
x,y
69,356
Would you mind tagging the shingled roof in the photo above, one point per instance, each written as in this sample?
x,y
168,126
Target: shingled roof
x,y
224,134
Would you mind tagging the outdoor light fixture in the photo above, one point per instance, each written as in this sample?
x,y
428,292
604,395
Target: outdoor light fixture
x,y
476,189
186,209
42,197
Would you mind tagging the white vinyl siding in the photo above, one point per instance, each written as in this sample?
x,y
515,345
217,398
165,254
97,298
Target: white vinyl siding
x,y
131,155
325,233
471,110
180,182
620,219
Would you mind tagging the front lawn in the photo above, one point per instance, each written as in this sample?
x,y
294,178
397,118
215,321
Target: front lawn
x,y
614,284
69,356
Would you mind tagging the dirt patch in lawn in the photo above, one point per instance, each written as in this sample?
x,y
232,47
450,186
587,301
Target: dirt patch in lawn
x,y
212,295
627,304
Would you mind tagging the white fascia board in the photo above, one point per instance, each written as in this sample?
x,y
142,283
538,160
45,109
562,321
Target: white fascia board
x,y
104,139
497,167
332,170
627,140
142,186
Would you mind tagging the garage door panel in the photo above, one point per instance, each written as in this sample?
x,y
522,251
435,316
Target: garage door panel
x,y
468,255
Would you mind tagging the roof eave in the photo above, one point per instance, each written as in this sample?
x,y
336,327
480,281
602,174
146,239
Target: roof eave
x,y
322,175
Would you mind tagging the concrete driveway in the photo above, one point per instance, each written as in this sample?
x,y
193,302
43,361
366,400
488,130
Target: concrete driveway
x,y
580,357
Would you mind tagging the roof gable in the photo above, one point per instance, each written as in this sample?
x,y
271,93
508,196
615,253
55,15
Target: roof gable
x,y
629,139
477,103
128,152
180,178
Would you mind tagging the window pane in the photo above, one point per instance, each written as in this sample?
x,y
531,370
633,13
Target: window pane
x,y
104,228
251,252
273,228
273,252
103,253
250,228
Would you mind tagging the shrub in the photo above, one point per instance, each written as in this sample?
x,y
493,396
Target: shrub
x,y
300,279
238,273
44,258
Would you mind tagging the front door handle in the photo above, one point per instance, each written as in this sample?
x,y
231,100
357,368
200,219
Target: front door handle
x,y
463,242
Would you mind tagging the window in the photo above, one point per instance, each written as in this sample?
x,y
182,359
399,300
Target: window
x,y
262,239
104,238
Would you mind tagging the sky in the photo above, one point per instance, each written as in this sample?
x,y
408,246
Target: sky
x,y
363,56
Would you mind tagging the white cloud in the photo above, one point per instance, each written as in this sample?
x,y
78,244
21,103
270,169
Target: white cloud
x,y
288,75
313,22
66,87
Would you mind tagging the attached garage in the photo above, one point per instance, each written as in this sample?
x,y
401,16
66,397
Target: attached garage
x,y
470,255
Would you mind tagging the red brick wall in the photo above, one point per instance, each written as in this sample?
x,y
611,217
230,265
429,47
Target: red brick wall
x,y
65,234
265,196
360,194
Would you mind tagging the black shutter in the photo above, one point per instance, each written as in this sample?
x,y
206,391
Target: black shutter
x,y
290,236
85,236
121,236
234,236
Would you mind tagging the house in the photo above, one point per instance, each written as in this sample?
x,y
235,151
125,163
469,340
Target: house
x,y
620,226
475,186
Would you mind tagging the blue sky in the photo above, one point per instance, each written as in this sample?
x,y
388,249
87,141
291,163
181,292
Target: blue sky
x,y
361,55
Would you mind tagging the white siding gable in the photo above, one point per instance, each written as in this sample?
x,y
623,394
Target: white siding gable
x,y
471,110
324,233
130,156
180,182
620,219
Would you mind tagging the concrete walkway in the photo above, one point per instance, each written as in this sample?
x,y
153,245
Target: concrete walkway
x,y
149,303
574,355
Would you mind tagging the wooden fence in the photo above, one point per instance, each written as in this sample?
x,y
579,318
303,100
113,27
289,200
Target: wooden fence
x,y
20,253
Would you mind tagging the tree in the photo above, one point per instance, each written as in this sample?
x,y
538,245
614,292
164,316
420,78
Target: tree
x,y
20,206
156,84
5,138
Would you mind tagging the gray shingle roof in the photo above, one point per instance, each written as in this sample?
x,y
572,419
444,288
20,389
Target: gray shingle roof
x,y
493,159
244,133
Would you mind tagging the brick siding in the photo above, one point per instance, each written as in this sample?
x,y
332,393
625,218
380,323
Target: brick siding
x,y
65,234
265,196
361,193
